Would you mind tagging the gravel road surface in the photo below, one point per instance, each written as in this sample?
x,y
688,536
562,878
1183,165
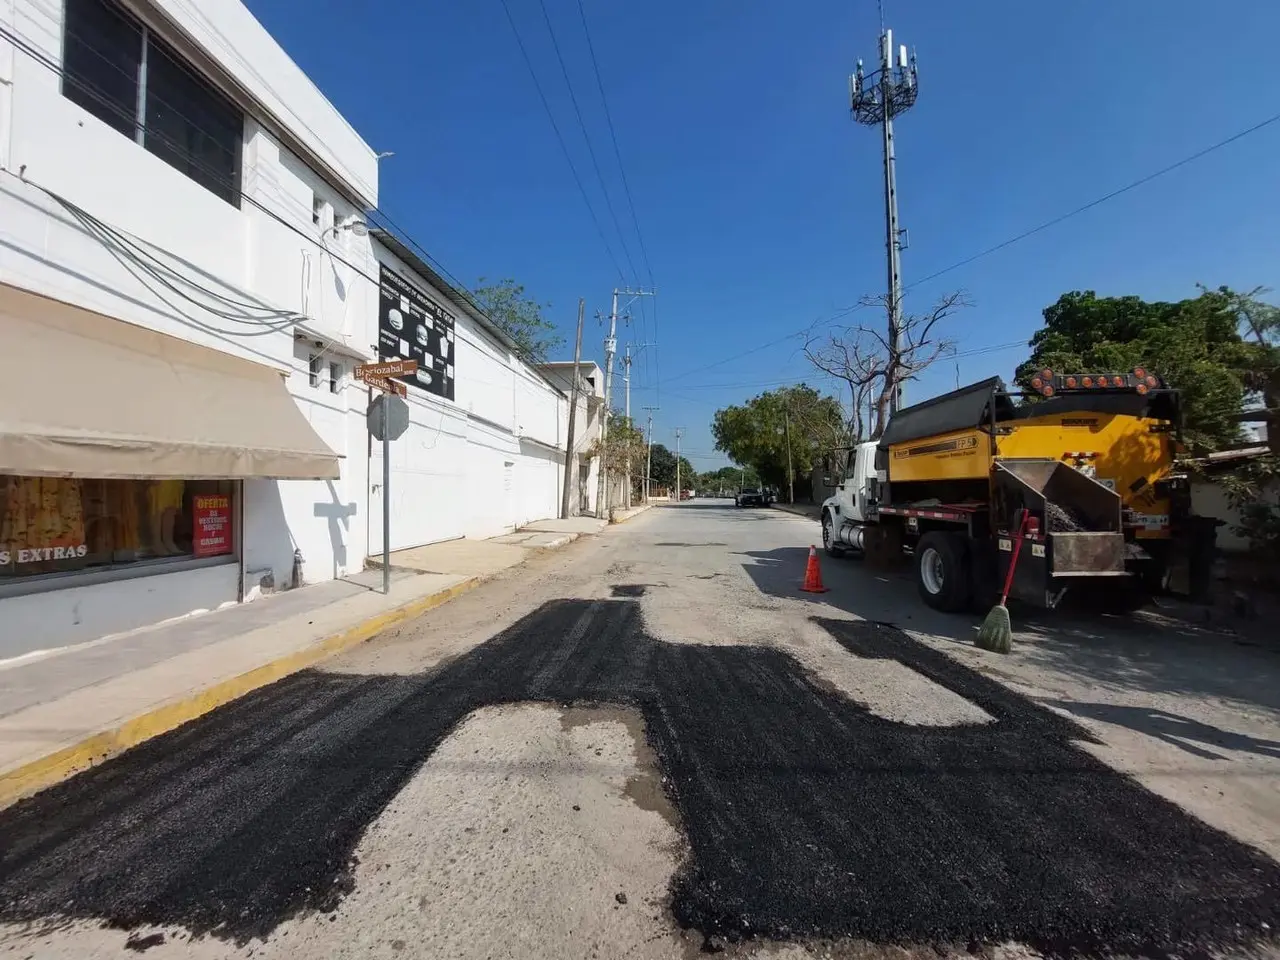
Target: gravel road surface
x,y
650,744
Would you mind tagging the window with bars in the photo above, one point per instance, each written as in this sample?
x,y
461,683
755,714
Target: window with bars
x,y
114,67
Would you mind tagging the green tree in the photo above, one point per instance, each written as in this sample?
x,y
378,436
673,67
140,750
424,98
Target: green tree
x,y
1194,344
519,317
756,433
1260,326
663,473
728,478
624,439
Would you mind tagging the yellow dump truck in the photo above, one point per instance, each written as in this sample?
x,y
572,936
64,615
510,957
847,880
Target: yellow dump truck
x,y
1090,459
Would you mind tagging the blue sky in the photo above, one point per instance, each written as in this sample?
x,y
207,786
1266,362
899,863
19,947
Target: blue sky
x,y
759,200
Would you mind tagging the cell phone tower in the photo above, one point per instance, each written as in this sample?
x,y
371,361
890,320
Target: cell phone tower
x,y
875,99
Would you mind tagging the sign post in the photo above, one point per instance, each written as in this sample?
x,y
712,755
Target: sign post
x,y
386,495
388,418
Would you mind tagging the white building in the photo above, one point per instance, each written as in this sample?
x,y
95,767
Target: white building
x,y
485,449
185,287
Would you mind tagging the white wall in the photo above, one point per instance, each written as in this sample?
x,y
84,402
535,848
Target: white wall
x,y
1210,500
478,466
278,260
44,621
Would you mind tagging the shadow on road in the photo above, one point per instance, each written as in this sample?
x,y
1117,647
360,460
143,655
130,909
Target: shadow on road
x,y
806,815
1193,736
1146,652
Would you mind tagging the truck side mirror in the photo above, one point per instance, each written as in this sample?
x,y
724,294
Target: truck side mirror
x,y
829,482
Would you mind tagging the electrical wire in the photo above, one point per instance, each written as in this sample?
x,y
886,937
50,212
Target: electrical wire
x,y
284,198
617,152
22,44
626,187
591,151
1100,200
124,261
1026,233
560,139
160,270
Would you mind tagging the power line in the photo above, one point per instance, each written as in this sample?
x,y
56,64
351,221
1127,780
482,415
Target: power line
x,y
22,44
1102,199
736,356
591,151
631,204
843,312
560,139
613,135
1019,237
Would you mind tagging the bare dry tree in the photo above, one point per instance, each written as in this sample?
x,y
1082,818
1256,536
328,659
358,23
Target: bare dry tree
x,y
872,366
851,355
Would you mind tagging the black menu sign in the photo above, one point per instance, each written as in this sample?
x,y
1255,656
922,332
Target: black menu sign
x,y
412,326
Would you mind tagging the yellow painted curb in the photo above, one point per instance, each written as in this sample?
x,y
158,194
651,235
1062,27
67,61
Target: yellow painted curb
x,y
55,767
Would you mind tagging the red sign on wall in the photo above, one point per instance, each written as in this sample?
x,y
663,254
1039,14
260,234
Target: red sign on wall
x,y
211,525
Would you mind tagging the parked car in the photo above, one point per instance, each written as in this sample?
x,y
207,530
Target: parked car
x,y
770,496
750,497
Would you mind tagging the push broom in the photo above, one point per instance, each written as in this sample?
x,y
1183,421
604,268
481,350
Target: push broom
x,y
996,632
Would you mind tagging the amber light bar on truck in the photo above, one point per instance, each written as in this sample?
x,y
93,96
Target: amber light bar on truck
x,y
1139,380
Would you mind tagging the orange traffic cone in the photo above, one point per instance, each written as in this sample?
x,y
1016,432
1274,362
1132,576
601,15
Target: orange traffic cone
x,y
813,574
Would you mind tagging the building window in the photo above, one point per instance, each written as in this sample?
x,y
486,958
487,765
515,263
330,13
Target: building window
x,y
65,524
335,377
314,366
321,212
115,68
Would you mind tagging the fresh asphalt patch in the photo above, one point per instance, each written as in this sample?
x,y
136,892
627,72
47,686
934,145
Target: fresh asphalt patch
x,y
806,815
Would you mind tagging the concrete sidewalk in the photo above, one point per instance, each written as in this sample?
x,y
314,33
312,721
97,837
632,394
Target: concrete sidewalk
x,y
67,709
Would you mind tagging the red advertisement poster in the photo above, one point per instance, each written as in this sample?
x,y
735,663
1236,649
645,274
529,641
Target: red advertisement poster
x,y
211,526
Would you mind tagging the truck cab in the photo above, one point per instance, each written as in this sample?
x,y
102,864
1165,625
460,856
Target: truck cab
x,y
854,502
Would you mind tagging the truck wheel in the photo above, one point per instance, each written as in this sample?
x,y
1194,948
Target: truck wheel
x,y
829,535
941,575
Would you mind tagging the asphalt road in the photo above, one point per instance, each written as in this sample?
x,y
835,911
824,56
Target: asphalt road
x,y
645,745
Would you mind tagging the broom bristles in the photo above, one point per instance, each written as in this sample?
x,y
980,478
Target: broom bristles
x,y
996,632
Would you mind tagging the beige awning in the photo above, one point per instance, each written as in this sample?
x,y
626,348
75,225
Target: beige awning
x,y
85,395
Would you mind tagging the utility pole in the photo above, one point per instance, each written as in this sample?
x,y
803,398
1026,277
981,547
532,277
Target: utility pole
x,y
626,385
610,348
648,461
791,477
610,351
875,99
626,380
571,458
679,488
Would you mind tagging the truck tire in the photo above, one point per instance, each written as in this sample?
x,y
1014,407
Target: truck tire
x,y
829,535
942,576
